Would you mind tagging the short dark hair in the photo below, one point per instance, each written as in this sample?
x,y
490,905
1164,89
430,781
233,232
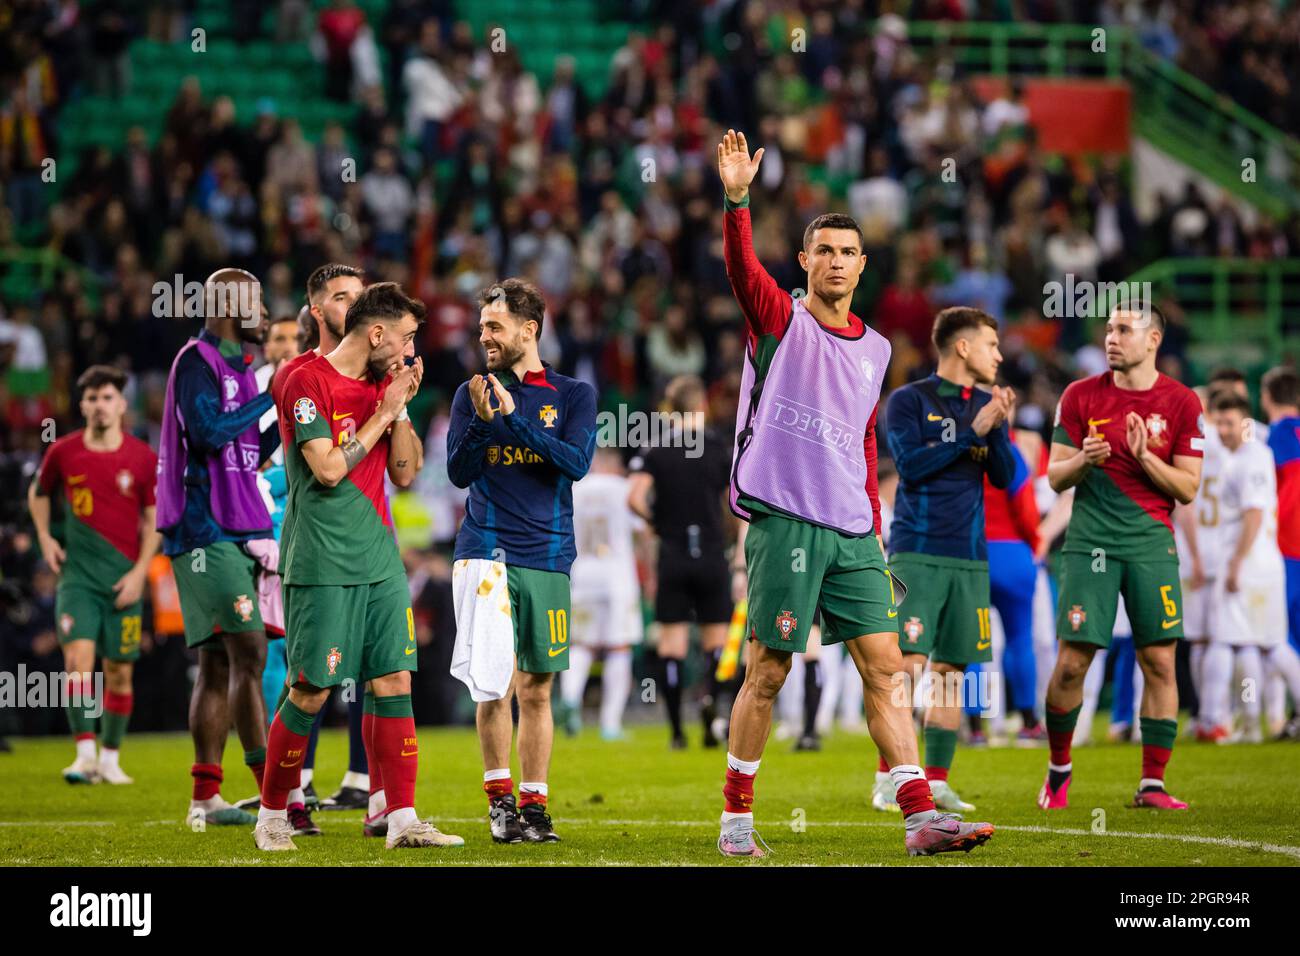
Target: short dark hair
x,y
385,301
97,376
1227,375
519,297
833,220
1153,310
1281,385
1226,400
951,322
321,277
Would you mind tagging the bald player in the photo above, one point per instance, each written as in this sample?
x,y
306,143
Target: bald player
x,y
209,510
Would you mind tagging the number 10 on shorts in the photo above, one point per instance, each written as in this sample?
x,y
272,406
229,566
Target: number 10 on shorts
x,y
559,621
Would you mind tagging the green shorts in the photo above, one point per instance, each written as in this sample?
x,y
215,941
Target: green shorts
x,y
796,567
1089,596
357,632
947,613
86,615
539,607
218,592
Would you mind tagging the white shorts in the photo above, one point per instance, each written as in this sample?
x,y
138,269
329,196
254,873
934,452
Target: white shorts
x,y
611,618
1254,615
1198,616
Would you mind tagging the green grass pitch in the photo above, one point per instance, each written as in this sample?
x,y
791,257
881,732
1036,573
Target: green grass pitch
x,y
638,803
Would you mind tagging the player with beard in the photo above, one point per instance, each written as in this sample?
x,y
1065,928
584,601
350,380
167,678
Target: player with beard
x,y
518,439
1130,442
347,605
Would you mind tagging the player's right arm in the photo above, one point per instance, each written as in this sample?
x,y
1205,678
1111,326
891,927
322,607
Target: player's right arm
x,y
468,436
765,306
915,460
331,463
38,503
199,397
1074,453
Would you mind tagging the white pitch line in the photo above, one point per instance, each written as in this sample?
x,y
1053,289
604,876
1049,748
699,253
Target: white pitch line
x,y
1228,842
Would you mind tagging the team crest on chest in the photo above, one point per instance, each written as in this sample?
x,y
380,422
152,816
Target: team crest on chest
x,y
124,481
1157,430
913,629
786,623
333,659
244,607
494,454
548,415
1077,617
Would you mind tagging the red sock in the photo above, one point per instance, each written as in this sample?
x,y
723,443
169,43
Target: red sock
x,y
207,780
499,788
372,761
1153,761
284,755
87,735
1058,741
883,765
739,792
936,773
914,797
398,754
531,796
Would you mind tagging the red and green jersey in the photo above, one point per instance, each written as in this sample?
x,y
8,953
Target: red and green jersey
x,y
339,535
106,492
1117,507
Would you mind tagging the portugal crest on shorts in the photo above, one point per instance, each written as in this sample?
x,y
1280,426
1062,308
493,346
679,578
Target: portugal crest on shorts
x,y
1077,617
333,659
548,415
65,623
1157,430
244,607
786,623
913,629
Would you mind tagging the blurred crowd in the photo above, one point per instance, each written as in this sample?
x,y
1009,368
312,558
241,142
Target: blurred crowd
x,y
469,167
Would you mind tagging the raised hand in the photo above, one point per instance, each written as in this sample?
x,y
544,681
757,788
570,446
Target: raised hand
x,y
505,401
735,168
1136,432
1095,448
478,393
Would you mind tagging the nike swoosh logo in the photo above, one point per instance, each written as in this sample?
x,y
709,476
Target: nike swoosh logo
x,y
1094,422
893,613
74,479
554,653
288,766
983,645
1168,624
337,416
410,651
933,417
409,753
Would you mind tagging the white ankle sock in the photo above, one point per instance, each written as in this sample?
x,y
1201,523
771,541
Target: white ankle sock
x,y
86,749
263,814
399,820
357,781
297,798
108,757
377,803
747,767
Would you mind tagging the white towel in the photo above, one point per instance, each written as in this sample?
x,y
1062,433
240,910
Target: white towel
x,y
484,656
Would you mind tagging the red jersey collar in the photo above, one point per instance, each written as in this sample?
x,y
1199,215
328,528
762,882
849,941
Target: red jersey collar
x,y
538,378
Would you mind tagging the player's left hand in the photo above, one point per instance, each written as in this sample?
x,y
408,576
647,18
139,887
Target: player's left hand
x,y
1136,430
505,400
1009,403
129,588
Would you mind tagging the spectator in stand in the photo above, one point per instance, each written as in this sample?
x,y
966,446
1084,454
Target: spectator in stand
x,y
431,96
338,27
904,307
388,202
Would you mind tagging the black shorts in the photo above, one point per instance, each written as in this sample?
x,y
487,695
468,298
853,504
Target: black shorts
x,y
693,589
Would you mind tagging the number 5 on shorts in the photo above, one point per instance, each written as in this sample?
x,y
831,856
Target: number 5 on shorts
x,y
1171,609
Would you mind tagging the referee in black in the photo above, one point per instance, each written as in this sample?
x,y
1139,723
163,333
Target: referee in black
x,y
680,488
